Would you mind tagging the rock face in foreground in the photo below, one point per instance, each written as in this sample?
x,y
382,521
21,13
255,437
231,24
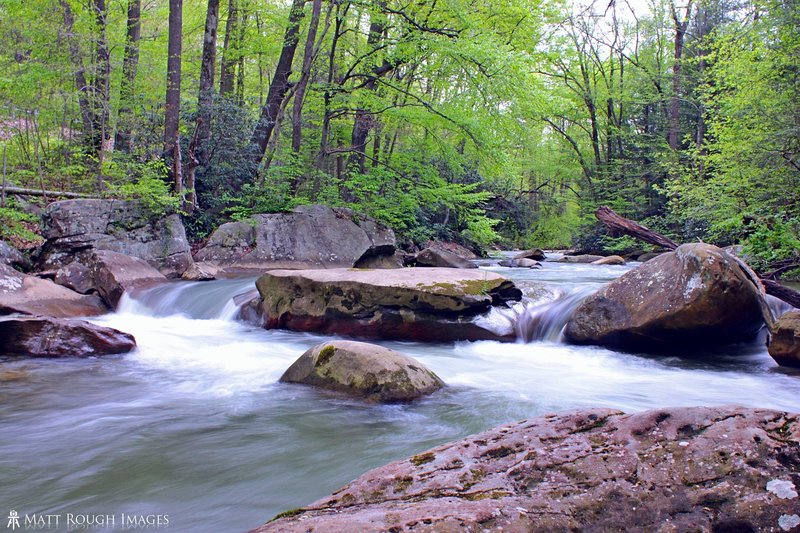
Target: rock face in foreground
x,y
29,295
784,346
312,236
696,295
54,337
598,470
425,304
74,227
363,370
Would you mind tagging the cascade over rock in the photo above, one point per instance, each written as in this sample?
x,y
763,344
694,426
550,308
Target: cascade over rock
x,y
73,228
29,295
696,295
428,304
678,469
363,370
57,337
312,236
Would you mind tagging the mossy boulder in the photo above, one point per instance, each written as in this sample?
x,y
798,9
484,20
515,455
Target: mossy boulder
x,y
363,370
784,345
696,296
426,304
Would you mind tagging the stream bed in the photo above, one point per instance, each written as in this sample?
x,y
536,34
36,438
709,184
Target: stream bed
x,y
194,425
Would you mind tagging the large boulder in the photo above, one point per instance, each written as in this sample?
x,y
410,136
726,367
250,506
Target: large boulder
x,y
427,304
76,227
697,295
12,257
784,346
439,257
537,254
57,337
520,263
681,469
29,295
115,274
76,276
363,370
312,236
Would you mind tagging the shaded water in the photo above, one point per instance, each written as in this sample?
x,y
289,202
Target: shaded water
x,y
194,424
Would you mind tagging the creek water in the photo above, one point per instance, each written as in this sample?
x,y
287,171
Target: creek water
x,y
194,424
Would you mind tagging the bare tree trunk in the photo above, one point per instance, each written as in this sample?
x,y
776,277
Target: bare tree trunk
x,y
205,100
240,56
324,158
80,72
300,91
228,64
173,101
130,63
280,83
673,134
190,199
102,78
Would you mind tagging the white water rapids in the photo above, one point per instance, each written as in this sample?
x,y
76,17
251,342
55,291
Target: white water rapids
x,y
194,425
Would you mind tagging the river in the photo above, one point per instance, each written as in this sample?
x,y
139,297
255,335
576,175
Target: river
x,y
194,425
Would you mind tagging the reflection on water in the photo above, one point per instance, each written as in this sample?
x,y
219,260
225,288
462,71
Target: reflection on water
x,y
194,424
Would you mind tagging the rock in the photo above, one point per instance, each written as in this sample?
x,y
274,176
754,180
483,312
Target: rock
x,y
648,256
73,228
380,261
29,295
697,295
520,263
76,276
610,260
57,337
363,370
681,469
784,346
536,254
428,304
12,257
437,257
583,258
201,271
312,236
452,247
115,274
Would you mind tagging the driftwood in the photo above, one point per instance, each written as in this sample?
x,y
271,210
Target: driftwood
x,y
622,225
39,192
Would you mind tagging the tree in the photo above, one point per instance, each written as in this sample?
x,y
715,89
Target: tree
x,y
173,100
130,64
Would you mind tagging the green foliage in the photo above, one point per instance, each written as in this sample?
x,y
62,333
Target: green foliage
x,y
771,242
146,182
19,228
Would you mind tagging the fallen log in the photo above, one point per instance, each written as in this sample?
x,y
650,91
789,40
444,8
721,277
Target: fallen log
x,y
621,225
40,192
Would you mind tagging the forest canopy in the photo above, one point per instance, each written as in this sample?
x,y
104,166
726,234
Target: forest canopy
x,y
485,122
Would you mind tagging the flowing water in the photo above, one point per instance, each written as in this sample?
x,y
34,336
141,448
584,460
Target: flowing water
x,y
194,425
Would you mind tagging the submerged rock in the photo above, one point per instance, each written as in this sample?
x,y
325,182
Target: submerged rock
x,y
363,370
312,236
679,469
536,254
697,295
77,227
427,304
784,346
29,295
610,260
54,337
439,257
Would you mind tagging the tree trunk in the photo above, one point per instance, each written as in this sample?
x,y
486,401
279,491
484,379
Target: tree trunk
x,y
280,83
173,101
102,79
81,83
300,92
323,158
228,64
240,56
205,100
673,134
130,63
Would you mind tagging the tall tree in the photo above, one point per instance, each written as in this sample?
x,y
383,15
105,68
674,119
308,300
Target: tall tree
x,y
228,63
681,22
173,100
205,100
280,82
130,65
300,89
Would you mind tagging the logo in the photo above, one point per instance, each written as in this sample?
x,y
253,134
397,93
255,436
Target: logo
x,y
13,520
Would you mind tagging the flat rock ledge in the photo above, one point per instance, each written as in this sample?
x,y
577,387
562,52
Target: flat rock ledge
x,y
678,469
424,304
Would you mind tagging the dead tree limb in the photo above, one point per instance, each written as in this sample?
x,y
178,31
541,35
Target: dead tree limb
x,y
39,192
622,225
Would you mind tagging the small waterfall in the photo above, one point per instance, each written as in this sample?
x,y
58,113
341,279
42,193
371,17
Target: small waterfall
x,y
545,321
198,299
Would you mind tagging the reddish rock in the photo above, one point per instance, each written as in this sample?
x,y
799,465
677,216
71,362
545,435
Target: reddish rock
x,y
784,346
114,274
682,469
55,337
438,257
75,276
610,260
29,295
